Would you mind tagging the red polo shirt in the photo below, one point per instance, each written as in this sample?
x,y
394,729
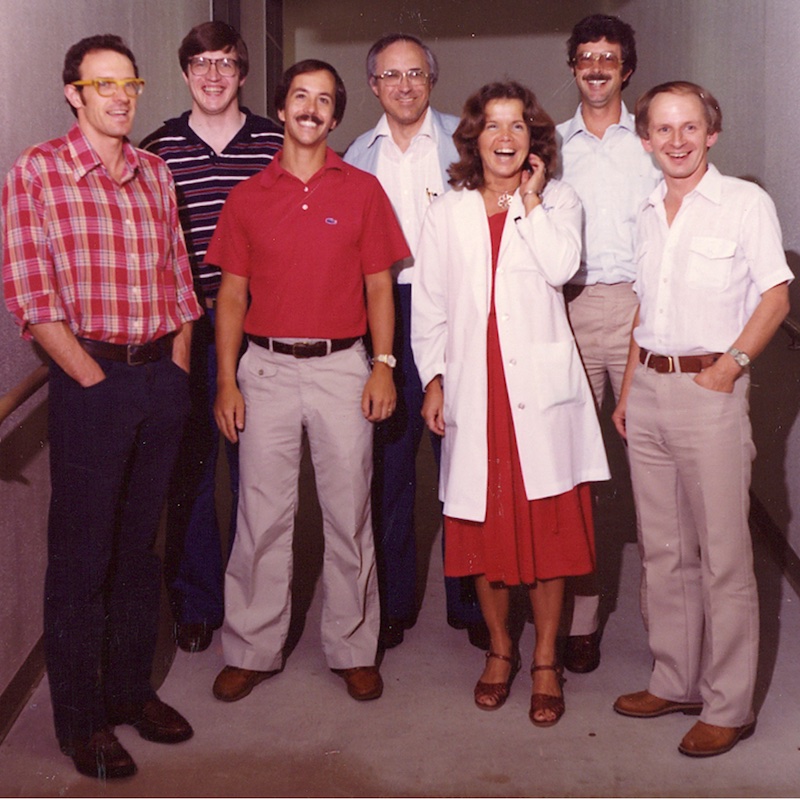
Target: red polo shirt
x,y
305,248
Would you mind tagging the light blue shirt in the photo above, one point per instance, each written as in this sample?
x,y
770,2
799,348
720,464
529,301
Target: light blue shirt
x,y
612,176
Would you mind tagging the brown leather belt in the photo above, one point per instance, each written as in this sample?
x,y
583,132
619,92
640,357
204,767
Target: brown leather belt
x,y
667,364
132,354
304,349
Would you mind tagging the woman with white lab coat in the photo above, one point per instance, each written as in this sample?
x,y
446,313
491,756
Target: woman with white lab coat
x,y
504,383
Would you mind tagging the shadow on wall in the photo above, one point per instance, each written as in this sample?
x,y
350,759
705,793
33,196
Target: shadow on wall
x,y
774,406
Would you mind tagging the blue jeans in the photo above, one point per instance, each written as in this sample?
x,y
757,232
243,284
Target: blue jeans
x,y
397,441
194,562
112,449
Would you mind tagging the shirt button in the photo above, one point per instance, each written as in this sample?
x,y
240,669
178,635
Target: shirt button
x,y
261,373
304,207
513,361
305,188
521,406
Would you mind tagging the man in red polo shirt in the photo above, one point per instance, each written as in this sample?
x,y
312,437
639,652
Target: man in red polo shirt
x,y
305,249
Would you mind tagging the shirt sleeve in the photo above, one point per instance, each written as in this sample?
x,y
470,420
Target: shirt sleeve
x,y
228,248
188,306
763,245
382,240
29,279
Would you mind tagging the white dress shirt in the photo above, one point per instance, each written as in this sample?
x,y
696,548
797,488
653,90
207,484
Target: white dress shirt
x,y
612,176
700,279
411,179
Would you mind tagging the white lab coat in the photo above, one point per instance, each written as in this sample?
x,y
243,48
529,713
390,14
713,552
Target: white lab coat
x,y
555,421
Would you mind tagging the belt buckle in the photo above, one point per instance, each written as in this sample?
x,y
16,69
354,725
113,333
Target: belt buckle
x,y
670,364
303,349
132,355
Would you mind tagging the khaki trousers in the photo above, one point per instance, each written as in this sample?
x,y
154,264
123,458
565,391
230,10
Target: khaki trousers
x,y
691,452
601,317
283,396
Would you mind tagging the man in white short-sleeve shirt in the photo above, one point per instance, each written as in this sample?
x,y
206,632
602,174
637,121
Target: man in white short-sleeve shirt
x,y
712,281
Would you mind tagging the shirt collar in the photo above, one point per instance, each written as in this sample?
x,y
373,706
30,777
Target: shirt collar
x,y
577,125
383,129
86,158
274,171
710,187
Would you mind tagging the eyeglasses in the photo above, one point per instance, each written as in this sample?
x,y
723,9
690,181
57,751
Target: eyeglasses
x,y
394,77
107,87
226,67
587,60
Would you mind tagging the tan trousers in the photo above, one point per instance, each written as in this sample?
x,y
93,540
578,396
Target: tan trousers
x,y
284,395
601,317
691,453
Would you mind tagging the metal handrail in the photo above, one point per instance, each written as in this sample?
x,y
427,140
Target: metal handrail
x,y
22,391
791,327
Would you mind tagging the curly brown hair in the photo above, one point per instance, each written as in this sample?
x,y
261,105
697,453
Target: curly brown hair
x,y
467,172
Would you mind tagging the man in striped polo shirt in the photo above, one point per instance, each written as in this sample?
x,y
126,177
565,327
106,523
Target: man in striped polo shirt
x,y
209,149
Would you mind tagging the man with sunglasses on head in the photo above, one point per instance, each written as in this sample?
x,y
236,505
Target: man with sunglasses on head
x,y
603,160
409,151
96,272
209,149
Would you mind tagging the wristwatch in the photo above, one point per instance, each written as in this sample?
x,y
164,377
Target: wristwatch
x,y
389,360
742,358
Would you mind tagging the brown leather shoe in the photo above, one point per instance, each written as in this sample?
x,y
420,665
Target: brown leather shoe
x,y
707,740
155,721
582,653
102,756
233,683
643,705
363,682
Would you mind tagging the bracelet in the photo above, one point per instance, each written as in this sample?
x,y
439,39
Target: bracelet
x,y
528,193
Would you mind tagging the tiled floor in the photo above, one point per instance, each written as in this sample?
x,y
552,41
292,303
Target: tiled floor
x,y
299,734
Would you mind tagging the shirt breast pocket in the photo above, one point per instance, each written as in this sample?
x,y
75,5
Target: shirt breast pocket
x,y
710,262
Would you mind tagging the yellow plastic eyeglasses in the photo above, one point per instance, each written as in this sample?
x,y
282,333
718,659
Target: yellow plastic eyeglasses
x,y
107,87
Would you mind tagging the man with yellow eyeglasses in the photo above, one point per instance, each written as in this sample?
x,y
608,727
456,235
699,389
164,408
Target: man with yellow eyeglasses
x,y
96,272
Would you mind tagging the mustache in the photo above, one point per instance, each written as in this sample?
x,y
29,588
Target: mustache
x,y
597,76
310,118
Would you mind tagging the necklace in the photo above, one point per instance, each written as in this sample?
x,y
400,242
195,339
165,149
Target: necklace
x,y
504,199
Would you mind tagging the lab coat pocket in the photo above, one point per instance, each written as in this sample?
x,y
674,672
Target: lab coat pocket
x,y
710,262
556,374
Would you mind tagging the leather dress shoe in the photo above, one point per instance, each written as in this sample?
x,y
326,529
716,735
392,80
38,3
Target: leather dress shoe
x,y
194,636
643,705
582,653
155,721
102,756
707,740
233,683
363,682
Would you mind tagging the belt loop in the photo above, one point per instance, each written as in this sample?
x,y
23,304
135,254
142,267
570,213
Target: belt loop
x,y
674,364
328,346
647,358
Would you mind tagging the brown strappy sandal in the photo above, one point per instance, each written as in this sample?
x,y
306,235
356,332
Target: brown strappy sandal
x,y
497,690
540,702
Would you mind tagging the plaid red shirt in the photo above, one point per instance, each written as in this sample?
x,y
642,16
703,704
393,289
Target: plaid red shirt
x,y
108,258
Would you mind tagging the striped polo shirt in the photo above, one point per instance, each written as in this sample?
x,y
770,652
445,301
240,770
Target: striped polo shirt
x,y
203,179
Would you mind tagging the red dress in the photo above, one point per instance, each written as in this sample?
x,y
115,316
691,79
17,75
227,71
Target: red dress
x,y
521,540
